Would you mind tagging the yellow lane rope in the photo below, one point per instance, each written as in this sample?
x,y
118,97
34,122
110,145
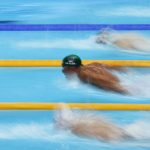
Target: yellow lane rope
x,y
57,63
84,106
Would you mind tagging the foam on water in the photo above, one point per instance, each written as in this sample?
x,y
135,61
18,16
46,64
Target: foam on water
x,y
82,43
137,84
75,85
140,130
30,131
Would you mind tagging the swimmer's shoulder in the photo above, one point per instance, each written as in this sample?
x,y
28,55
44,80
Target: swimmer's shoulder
x,y
93,71
95,64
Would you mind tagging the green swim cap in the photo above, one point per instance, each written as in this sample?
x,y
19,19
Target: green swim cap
x,y
72,60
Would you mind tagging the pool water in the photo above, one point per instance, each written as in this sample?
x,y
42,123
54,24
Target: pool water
x,y
29,130
79,11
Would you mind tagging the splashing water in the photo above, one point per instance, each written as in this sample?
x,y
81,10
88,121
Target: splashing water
x,y
140,130
128,42
30,131
84,43
76,85
137,84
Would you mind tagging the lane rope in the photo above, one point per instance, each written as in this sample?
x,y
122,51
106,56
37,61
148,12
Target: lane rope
x,y
83,106
57,63
71,27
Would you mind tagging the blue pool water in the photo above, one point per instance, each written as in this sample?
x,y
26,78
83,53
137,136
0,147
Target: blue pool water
x,y
30,130
79,11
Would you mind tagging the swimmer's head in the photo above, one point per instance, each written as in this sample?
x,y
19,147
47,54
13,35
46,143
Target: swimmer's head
x,y
71,64
72,61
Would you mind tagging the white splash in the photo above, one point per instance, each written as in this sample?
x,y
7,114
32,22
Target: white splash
x,y
87,43
140,130
137,84
71,82
29,131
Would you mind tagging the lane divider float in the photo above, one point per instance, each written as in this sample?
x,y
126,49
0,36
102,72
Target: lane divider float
x,y
83,106
70,27
57,63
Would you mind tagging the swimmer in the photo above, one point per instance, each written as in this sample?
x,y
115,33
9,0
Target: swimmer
x,y
96,74
89,125
127,41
